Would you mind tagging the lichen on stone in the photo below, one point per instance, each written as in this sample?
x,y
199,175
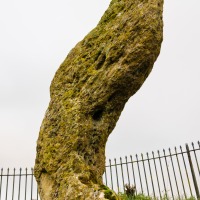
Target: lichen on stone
x,y
88,94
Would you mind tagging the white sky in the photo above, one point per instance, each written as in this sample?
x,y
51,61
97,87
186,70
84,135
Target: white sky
x,y
35,37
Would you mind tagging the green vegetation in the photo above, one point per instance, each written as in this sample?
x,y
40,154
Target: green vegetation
x,y
108,193
143,197
139,196
130,194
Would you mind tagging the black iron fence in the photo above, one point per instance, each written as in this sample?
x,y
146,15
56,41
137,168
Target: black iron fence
x,y
172,174
18,184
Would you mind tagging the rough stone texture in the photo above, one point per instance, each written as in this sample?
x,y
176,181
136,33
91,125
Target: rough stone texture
x,y
89,92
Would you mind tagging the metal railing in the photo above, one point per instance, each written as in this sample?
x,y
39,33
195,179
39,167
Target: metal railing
x,y
18,184
173,174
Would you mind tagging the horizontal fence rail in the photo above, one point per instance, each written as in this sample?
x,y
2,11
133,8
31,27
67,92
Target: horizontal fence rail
x,y
170,174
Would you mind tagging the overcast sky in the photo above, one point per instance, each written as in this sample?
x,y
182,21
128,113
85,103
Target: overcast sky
x,y
35,37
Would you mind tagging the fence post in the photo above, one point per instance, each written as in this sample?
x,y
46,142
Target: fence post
x,y
192,171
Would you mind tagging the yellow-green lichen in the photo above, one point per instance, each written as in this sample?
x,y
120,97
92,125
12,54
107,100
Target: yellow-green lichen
x,y
88,94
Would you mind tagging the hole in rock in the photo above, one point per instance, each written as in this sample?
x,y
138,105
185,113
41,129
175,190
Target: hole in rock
x,y
97,114
44,170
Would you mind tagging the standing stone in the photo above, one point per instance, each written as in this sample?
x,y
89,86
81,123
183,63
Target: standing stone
x,y
88,94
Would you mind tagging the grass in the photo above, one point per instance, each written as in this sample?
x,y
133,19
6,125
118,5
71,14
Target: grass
x,y
130,194
143,197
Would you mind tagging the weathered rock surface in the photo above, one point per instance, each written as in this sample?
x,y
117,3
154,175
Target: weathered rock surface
x,y
89,92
